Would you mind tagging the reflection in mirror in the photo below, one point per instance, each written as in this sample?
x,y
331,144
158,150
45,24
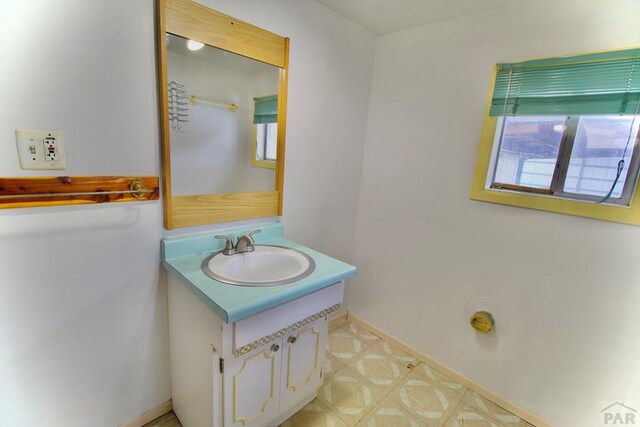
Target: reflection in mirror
x,y
265,131
223,120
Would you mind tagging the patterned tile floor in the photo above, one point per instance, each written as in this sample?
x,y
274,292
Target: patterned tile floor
x,y
370,383
167,420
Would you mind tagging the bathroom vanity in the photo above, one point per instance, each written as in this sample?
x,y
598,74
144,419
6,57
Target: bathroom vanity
x,y
246,355
240,355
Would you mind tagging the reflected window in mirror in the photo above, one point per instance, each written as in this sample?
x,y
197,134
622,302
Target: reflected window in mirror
x,y
265,131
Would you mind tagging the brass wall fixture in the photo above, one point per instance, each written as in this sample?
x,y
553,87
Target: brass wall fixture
x,y
482,321
138,189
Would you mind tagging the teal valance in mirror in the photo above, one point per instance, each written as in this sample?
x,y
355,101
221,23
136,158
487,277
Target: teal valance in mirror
x,y
266,109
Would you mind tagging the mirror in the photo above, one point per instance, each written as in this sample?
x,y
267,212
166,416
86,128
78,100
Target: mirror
x,y
223,111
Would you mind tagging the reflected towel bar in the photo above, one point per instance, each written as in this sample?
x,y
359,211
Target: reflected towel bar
x,y
196,100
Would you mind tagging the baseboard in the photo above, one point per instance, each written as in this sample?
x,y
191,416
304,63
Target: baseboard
x,y
337,318
150,415
481,390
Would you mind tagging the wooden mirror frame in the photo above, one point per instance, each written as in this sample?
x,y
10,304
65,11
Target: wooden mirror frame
x,y
194,21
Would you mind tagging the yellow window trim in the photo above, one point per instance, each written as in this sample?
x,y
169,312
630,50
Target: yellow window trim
x,y
623,214
254,157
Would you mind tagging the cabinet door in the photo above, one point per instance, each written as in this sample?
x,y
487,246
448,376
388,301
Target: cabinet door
x,y
302,362
250,386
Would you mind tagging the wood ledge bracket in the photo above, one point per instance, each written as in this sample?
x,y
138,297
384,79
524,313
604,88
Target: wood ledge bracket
x,y
28,192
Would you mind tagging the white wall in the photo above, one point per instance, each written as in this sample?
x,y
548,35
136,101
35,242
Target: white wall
x,y
83,335
570,285
83,328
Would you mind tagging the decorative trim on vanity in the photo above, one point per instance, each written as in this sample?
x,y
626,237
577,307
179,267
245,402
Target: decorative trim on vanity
x,y
282,332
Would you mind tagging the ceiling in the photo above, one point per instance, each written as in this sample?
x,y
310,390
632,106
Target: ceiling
x,y
386,16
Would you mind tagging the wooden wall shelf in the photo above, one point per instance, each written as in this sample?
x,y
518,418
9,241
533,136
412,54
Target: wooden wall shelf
x,y
27,192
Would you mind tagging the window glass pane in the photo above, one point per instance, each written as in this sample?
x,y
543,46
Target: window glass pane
x,y
598,147
529,150
271,141
261,129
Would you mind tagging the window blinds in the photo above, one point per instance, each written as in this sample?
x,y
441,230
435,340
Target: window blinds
x,y
601,83
266,109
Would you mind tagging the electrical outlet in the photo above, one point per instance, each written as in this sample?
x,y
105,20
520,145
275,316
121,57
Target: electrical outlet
x,y
51,149
40,149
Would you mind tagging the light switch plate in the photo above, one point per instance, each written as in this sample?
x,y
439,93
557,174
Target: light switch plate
x,y
40,149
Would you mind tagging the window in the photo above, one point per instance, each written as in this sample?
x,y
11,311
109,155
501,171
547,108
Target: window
x,y
266,141
264,144
562,135
566,156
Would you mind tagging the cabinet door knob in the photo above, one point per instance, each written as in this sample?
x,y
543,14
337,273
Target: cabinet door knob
x,y
275,348
292,339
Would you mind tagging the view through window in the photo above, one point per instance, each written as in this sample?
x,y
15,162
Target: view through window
x,y
570,156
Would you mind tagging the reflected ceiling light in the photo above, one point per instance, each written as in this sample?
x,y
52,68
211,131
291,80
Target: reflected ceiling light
x,y
194,45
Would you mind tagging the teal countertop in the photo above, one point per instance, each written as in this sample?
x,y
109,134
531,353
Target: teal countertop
x,y
183,257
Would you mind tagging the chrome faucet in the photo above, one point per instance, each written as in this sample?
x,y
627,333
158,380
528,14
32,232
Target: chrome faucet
x,y
245,243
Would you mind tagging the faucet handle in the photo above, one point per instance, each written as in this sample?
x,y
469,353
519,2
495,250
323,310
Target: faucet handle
x,y
228,247
252,233
249,239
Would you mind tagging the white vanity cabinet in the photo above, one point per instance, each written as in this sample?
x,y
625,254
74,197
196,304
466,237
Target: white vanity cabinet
x,y
274,378
257,371
250,386
302,363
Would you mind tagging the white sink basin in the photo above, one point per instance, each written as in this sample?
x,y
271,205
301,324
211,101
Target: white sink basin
x,y
266,266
